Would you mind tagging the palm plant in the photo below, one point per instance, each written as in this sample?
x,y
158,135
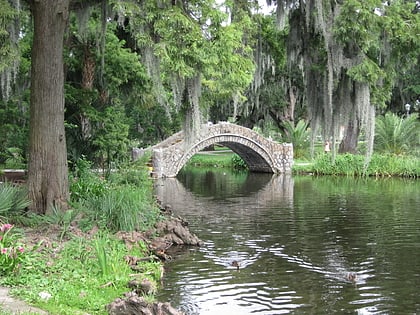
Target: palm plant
x,y
13,201
396,135
299,136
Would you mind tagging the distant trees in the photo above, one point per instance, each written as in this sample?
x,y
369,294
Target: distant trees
x,y
106,75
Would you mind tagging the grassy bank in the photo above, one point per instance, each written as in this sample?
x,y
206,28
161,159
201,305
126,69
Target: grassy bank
x,y
218,158
381,165
72,262
354,165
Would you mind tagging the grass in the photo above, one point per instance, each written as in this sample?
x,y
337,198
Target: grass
x,y
213,159
82,276
381,165
353,165
84,272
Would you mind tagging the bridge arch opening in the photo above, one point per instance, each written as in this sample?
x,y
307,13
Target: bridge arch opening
x,y
254,155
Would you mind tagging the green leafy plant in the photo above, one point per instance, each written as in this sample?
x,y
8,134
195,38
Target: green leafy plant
x,y
352,165
238,163
397,135
13,201
125,208
85,183
14,158
85,274
12,250
298,135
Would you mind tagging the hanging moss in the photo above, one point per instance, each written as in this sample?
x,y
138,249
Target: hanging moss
x,y
9,47
338,74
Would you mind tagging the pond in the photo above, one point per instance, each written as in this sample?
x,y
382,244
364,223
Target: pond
x,y
304,245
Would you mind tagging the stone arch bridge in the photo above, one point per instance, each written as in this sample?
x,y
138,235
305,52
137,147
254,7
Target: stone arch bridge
x,y
259,153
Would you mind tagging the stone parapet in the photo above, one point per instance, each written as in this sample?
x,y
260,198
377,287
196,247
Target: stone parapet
x,y
259,153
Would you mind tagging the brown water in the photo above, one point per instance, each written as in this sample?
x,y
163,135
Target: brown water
x,y
296,240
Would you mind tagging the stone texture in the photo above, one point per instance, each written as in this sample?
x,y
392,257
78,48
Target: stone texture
x,y
259,153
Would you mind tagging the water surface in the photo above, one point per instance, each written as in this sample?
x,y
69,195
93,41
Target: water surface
x,y
296,239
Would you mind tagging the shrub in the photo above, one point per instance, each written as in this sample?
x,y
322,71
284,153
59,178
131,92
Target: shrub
x,y
14,158
238,163
397,135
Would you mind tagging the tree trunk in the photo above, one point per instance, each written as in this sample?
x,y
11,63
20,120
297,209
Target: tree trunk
x,y
350,139
47,169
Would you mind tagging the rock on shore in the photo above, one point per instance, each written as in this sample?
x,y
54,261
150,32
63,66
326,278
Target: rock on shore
x,y
136,305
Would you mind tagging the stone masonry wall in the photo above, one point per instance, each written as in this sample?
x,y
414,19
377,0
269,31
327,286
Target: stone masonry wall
x,y
261,154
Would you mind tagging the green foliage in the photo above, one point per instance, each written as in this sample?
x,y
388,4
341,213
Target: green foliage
x,y
397,135
134,174
12,251
101,247
101,120
298,135
13,201
75,279
14,158
198,39
8,49
123,201
353,165
344,164
391,165
84,183
211,160
355,17
111,136
13,132
238,163
123,208
367,71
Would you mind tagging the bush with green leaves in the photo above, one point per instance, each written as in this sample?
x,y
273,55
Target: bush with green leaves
x,y
393,165
121,202
397,135
238,163
13,158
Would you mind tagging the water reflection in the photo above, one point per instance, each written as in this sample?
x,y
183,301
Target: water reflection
x,y
296,240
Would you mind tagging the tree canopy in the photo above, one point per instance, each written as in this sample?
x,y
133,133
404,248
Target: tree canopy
x,y
134,72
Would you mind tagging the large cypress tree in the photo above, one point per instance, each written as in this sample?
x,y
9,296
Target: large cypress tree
x,y
47,169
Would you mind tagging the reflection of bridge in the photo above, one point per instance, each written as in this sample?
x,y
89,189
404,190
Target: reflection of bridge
x,y
259,153
274,191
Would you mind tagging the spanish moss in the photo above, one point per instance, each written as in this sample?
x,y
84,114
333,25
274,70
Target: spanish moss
x,y
193,118
338,106
9,49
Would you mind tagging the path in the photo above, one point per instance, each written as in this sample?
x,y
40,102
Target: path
x,y
10,304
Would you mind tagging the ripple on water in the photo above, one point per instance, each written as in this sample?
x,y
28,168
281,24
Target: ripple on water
x,y
296,250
